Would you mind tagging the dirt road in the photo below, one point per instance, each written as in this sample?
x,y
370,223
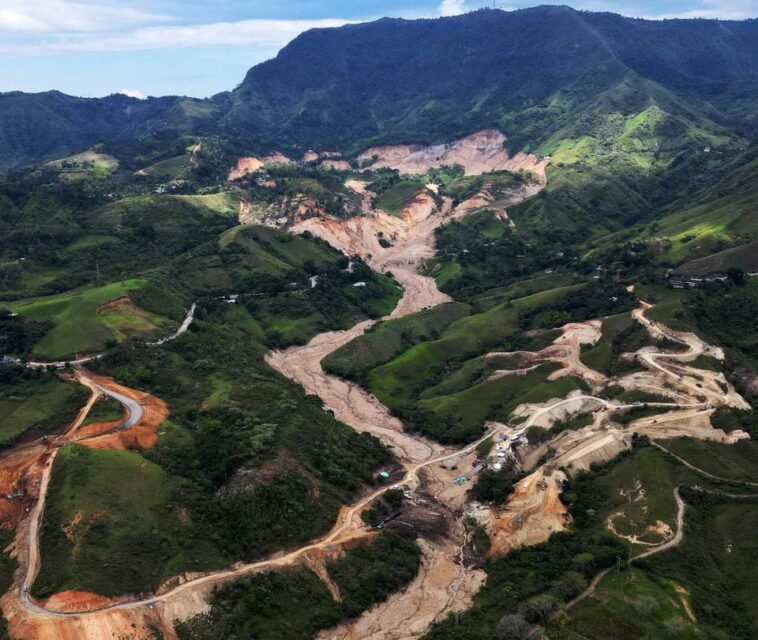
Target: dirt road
x,y
670,544
443,572
712,386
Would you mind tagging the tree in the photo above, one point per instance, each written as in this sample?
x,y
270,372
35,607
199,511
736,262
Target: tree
x,y
584,561
570,584
539,608
515,627
736,275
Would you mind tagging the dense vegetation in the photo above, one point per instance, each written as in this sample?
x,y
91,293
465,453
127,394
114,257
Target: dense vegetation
x,y
7,566
295,604
33,401
286,101
227,458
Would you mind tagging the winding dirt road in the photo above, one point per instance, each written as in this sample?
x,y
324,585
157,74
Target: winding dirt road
x,y
669,544
430,600
445,583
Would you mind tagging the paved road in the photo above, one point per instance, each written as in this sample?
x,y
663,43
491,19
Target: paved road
x,y
342,528
134,413
60,364
182,327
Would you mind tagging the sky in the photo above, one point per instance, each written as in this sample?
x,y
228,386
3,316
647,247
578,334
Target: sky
x,y
202,47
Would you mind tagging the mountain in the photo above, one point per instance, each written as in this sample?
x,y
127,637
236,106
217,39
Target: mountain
x,y
532,73
337,372
527,72
35,127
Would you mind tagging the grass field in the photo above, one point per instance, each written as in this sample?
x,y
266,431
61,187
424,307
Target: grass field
x,y
43,402
104,410
632,605
386,340
671,314
225,202
88,163
169,169
398,196
274,252
90,242
718,220
465,412
737,461
421,366
82,325
600,356
639,491
112,526
744,256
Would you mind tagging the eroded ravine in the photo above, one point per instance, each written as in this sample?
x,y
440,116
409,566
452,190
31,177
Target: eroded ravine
x,y
443,585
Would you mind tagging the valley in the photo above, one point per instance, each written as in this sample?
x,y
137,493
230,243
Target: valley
x,y
445,582
430,329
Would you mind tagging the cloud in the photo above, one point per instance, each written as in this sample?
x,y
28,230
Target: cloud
x,y
717,9
55,16
12,20
133,93
264,33
452,7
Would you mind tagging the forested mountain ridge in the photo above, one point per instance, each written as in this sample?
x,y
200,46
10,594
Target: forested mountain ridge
x,y
529,72
429,329
42,126
432,80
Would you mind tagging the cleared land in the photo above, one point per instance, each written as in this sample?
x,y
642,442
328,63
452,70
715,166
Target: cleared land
x,y
88,320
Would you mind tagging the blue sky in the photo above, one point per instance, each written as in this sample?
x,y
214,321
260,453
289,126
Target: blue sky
x,y
201,47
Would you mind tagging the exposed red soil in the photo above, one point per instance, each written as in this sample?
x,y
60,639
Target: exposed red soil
x,y
114,304
244,167
143,435
71,601
20,471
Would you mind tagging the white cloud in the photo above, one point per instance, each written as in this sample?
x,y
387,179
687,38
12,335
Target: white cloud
x,y
717,9
452,7
54,16
266,33
12,20
133,93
